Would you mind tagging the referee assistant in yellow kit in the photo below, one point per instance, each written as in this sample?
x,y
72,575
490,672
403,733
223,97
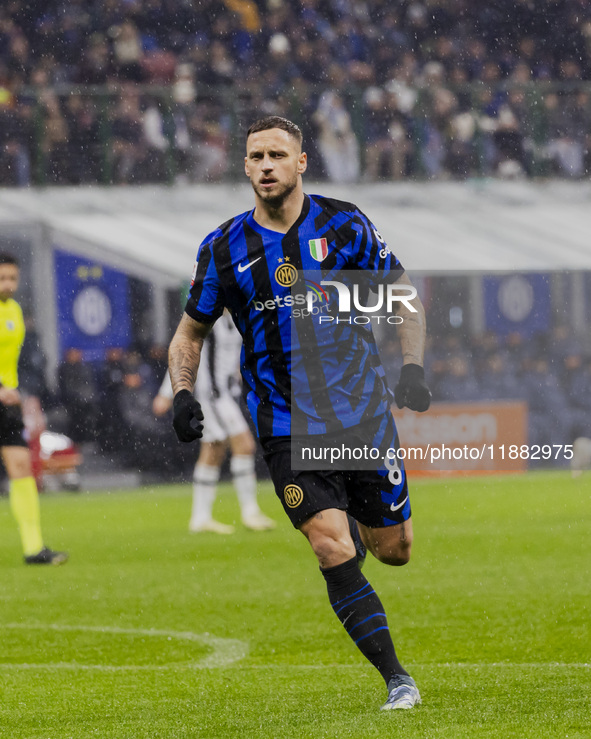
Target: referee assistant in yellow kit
x,y
24,498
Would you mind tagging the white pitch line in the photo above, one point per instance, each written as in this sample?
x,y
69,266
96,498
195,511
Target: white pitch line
x,y
72,666
224,651
427,665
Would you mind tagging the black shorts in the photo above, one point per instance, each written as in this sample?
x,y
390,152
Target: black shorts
x,y
375,498
11,426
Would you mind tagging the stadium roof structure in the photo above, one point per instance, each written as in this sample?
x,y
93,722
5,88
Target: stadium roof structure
x,y
152,232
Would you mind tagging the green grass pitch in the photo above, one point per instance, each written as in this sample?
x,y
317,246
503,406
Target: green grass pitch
x,y
150,632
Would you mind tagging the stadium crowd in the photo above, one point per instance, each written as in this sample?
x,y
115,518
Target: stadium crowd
x,y
131,91
110,403
550,373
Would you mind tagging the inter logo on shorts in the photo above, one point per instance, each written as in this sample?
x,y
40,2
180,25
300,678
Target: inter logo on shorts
x,y
286,275
318,249
293,495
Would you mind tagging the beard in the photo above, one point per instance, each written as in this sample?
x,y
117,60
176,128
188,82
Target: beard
x,y
277,198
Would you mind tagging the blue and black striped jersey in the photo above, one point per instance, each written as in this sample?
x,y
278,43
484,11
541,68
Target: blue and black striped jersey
x,y
333,371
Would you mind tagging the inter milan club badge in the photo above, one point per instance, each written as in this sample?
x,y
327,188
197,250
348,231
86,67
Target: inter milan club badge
x,y
293,495
318,249
286,274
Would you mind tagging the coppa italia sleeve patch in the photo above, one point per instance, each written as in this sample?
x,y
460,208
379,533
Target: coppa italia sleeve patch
x,y
194,273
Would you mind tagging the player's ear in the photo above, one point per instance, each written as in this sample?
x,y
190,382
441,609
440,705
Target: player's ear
x,y
246,166
302,162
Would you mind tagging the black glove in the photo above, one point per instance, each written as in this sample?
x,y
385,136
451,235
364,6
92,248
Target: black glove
x,y
412,390
187,416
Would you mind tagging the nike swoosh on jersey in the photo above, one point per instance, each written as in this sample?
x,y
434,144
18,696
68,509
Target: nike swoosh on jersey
x,y
396,507
244,267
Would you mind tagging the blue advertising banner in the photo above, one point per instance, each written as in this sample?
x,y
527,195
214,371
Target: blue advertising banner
x,y
517,303
92,306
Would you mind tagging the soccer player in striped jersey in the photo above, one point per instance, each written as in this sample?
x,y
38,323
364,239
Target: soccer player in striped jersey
x,y
249,265
22,489
224,426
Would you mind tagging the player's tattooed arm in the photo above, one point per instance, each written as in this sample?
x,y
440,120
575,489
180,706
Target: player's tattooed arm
x,y
184,353
412,330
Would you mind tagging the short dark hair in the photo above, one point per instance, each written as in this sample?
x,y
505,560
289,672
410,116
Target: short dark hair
x,y
276,121
6,258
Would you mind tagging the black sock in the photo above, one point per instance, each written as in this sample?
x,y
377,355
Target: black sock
x,y
362,614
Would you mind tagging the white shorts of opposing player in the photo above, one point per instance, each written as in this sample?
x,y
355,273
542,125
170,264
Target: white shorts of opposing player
x,y
205,480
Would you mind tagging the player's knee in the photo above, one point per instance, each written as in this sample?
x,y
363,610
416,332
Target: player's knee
x,y
395,554
331,547
396,559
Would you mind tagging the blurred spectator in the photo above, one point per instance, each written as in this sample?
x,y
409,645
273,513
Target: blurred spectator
x,y
497,382
436,130
568,125
387,136
306,63
218,68
32,365
486,105
95,64
19,60
509,136
111,435
403,82
459,383
517,351
127,151
147,442
127,51
78,395
155,160
547,404
84,163
461,157
576,380
337,142
209,142
139,372
561,342
54,145
281,67
376,132
157,359
16,142
128,429
183,94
